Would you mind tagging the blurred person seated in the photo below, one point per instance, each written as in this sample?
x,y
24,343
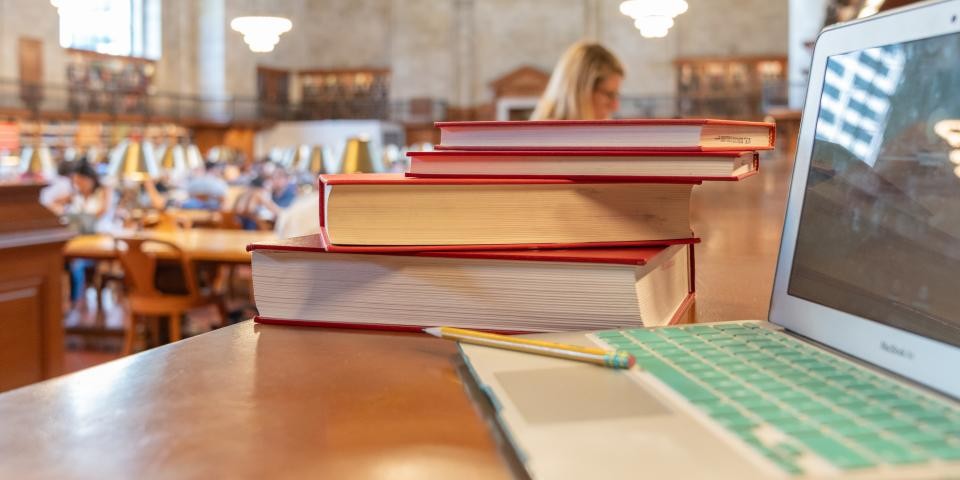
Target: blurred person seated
x,y
284,189
89,207
585,85
300,218
60,186
255,204
207,190
153,194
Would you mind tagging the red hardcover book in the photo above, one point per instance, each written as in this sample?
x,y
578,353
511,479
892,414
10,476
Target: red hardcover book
x,y
593,165
638,134
299,282
393,212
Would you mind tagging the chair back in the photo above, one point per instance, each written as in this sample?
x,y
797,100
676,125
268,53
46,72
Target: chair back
x,y
168,222
139,259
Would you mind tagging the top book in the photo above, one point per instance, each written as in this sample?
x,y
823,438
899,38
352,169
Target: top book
x,y
667,134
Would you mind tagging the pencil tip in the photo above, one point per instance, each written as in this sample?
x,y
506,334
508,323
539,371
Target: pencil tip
x,y
435,331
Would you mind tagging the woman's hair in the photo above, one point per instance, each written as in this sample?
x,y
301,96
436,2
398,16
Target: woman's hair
x,y
84,169
569,92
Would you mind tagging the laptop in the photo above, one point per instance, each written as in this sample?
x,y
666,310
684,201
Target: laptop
x,y
856,372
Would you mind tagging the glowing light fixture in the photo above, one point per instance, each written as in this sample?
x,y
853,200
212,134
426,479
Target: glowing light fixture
x,y
356,156
653,17
193,157
173,160
949,130
870,7
261,33
133,161
36,162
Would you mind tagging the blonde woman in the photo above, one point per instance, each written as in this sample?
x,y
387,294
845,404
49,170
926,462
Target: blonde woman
x,y
585,85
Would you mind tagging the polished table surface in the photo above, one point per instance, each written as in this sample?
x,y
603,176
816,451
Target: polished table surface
x,y
253,401
202,244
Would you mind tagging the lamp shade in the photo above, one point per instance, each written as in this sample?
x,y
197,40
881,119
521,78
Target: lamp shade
x,y
173,160
36,162
277,155
356,157
222,154
193,157
290,157
312,159
96,155
132,160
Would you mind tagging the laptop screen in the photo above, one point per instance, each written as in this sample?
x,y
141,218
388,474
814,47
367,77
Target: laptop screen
x,y
879,232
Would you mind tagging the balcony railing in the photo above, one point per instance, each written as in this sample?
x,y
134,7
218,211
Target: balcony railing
x,y
62,101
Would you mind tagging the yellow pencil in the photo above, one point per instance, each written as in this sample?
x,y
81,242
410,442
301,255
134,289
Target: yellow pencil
x,y
598,356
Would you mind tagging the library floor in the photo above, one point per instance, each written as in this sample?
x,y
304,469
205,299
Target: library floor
x,y
93,337
740,224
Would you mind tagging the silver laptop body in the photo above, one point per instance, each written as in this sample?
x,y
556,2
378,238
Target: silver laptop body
x,y
865,288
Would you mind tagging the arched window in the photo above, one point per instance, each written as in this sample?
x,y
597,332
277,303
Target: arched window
x,y
114,27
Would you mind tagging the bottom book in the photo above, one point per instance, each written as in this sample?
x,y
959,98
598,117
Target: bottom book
x,y
297,282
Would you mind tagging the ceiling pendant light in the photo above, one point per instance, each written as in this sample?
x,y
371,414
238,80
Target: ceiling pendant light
x,y
261,33
653,17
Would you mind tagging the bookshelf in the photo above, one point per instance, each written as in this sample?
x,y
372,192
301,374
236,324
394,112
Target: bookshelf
x,y
344,93
108,83
726,86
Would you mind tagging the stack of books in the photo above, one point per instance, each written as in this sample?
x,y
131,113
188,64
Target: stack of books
x,y
512,226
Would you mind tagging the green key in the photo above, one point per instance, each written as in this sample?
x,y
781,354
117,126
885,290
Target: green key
x,y
890,423
794,426
924,439
643,335
677,381
828,418
788,450
725,362
659,347
852,429
788,466
775,416
790,396
833,451
610,334
945,452
811,407
892,452
754,403
739,424
718,409
709,375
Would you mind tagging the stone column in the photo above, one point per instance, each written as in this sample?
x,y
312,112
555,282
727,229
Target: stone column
x,y
591,20
211,58
464,58
806,20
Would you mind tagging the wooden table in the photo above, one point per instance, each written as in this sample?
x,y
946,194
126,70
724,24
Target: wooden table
x,y
253,401
203,245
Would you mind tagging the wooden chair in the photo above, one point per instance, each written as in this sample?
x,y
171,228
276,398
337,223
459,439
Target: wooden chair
x,y
167,221
144,299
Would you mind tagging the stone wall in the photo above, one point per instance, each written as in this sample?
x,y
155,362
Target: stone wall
x,y
34,19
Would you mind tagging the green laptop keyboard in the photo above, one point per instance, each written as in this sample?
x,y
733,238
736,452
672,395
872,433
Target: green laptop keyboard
x,y
750,379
